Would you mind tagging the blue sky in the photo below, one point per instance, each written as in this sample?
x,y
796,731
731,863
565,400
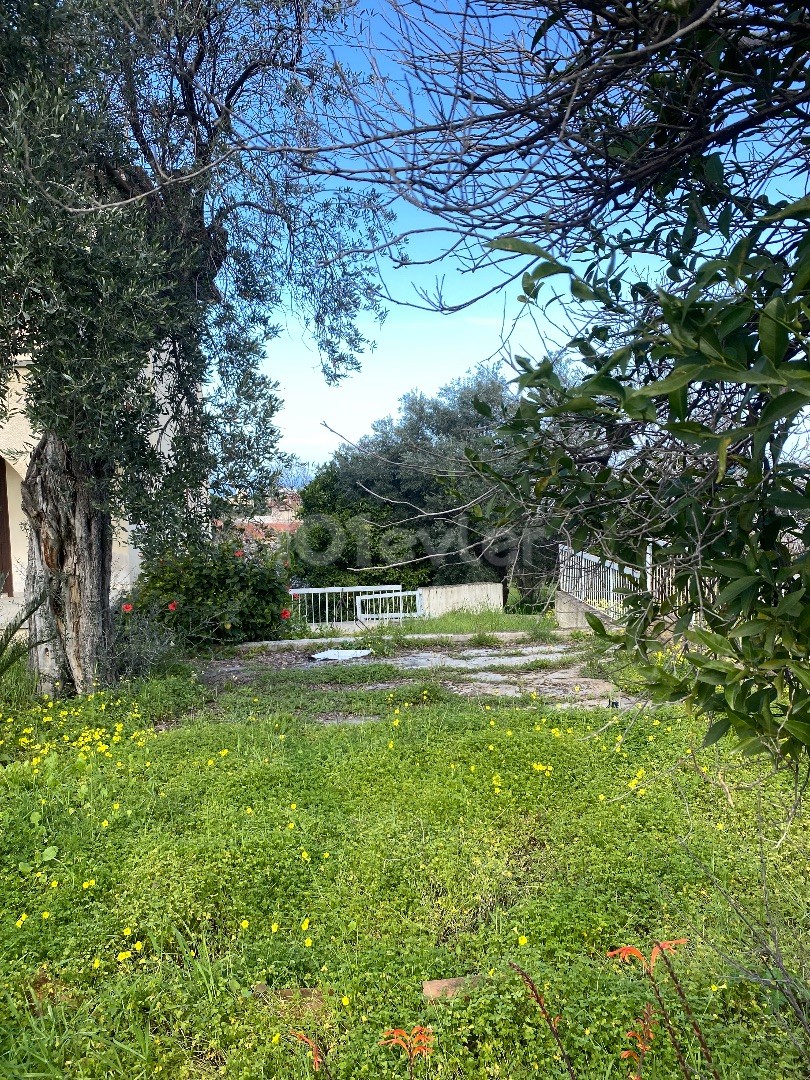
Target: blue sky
x,y
415,349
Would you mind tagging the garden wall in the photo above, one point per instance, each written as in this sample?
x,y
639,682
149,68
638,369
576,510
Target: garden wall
x,y
478,596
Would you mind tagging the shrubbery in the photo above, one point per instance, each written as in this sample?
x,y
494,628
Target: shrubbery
x,y
217,593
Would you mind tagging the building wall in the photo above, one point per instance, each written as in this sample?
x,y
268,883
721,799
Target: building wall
x,y
19,536
16,443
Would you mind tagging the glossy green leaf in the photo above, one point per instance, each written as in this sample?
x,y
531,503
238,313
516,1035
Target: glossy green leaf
x,y
773,333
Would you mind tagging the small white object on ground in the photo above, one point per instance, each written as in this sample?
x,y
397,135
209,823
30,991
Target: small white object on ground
x,y
341,654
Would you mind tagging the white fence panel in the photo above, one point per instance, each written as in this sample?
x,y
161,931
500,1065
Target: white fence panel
x,y
354,603
599,583
386,606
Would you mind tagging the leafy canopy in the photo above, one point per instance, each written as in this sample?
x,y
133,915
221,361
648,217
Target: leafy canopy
x,y
706,493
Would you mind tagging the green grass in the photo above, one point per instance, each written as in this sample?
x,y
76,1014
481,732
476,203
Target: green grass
x,y
17,686
251,846
538,627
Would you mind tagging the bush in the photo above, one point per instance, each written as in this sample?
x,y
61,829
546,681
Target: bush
x,y
218,593
144,642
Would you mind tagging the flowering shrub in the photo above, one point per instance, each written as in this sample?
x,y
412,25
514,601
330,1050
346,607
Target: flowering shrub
x,y
216,593
143,643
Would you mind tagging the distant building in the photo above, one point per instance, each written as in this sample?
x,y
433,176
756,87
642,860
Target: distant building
x,y
282,518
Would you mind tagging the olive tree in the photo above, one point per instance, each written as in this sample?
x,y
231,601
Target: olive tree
x,y
144,252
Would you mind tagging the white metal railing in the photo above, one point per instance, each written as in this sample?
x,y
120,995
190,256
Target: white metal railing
x,y
387,606
599,583
354,603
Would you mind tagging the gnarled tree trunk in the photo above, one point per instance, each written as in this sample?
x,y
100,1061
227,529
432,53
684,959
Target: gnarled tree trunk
x,y
70,555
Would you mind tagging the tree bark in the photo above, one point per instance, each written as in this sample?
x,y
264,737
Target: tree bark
x,y
66,503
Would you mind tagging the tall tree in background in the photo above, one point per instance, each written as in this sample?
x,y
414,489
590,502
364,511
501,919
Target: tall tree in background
x,y
406,503
143,251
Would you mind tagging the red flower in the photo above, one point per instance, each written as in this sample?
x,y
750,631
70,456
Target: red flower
x,y
126,608
285,614
239,554
294,595
173,605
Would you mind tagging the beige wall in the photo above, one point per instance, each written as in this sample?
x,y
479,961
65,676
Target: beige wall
x,y
570,612
16,443
16,523
478,596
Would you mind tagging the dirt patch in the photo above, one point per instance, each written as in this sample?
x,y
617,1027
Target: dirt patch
x,y
475,659
236,672
567,685
467,671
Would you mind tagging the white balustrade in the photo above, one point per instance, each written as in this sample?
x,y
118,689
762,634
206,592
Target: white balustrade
x,y
355,603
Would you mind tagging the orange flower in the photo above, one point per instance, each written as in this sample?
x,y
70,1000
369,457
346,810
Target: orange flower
x,y
418,1043
628,952
665,946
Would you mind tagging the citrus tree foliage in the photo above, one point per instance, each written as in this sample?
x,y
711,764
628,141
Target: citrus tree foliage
x,y
698,397
404,504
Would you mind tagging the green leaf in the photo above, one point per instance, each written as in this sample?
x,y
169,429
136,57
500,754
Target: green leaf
x,y
596,624
722,457
752,628
790,500
709,640
713,169
796,210
801,672
49,854
791,605
773,333
735,316
716,732
544,28
791,401
799,729
679,377
801,274
732,591
522,247
544,270
582,291
604,384
724,221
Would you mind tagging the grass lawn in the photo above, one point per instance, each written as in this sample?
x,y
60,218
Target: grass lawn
x,y
161,887
482,622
